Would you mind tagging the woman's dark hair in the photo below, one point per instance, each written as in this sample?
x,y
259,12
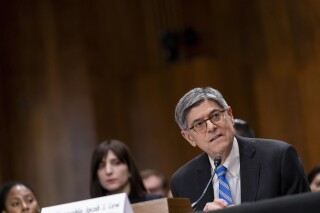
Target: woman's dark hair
x,y
313,173
5,189
122,152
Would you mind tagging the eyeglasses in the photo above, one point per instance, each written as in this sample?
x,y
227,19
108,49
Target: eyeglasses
x,y
214,118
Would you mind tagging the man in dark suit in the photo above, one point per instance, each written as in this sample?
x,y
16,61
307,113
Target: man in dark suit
x,y
251,169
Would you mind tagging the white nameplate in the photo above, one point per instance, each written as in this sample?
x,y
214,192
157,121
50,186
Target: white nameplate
x,y
118,203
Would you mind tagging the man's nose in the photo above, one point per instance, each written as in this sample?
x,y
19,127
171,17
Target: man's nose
x,y
210,125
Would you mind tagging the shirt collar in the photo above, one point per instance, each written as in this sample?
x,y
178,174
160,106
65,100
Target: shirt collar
x,y
232,162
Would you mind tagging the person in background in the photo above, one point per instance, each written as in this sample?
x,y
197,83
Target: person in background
x,y
246,169
16,197
155,182
314,179
243,128
113,171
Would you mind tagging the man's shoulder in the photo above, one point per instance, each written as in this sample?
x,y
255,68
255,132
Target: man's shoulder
x,y
262,142
263,147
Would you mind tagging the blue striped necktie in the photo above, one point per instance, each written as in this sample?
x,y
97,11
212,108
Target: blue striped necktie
x,y
224,188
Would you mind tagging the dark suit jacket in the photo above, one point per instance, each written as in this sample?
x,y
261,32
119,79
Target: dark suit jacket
x,y
268,168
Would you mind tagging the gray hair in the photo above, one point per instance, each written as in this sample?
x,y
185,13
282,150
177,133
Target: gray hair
x,y
193,98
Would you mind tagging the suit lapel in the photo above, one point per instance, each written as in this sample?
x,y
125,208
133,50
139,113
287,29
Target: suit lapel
x,y
203,174
249,170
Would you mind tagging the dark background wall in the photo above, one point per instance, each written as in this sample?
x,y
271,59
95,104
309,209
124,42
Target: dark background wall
x,y
76,72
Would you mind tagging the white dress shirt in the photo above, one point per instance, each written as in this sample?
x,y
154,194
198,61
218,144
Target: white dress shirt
x,y
232,163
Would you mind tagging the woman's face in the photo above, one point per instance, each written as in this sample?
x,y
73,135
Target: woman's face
x,y
113,175
315,184
21,199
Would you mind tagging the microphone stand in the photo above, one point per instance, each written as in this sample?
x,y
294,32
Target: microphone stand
x,y
217,162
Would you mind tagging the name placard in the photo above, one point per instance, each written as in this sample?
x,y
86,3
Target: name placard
x,y
118,203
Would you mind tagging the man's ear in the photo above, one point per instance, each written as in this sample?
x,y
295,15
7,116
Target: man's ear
x,y
229,112
188,137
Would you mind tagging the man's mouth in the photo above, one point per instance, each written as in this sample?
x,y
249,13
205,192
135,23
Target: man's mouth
x,y
215,137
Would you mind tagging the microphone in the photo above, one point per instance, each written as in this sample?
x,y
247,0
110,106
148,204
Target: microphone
x,y
217,162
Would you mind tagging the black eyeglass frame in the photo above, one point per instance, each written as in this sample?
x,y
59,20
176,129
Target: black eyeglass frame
x,y
220,111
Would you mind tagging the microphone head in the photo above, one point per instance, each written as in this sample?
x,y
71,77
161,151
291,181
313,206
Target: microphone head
x,y
217,161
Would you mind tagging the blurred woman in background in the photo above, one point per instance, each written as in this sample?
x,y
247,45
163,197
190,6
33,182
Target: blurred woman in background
x,y
314,179
16,197
113,171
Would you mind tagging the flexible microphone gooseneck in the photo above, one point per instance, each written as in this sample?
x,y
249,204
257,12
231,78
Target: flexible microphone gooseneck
x,y
217,162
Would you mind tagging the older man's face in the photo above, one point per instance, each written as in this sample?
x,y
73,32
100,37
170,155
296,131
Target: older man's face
x,y
218,137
